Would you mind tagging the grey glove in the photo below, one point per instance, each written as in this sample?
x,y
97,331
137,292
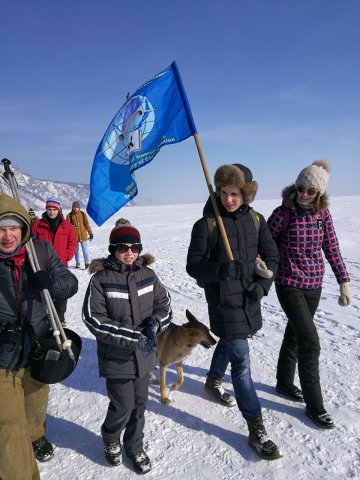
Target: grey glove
x,y
255,292
345,295
230,270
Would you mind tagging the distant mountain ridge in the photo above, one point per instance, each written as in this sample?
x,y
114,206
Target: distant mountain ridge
x,y
33,192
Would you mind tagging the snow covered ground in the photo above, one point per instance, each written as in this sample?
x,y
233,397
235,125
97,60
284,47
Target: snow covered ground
x,y
195,438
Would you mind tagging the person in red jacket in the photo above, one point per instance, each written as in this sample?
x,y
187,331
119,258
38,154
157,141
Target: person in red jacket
x,y
54,229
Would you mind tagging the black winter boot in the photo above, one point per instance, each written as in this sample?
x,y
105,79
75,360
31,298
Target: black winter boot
x,y
112,451
290,391
322,420
43,450
141,462
258,440
217,391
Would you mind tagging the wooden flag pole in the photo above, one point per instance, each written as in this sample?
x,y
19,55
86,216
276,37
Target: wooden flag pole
x,y
213,198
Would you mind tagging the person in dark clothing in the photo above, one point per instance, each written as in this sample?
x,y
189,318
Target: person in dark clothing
x,y
53,228
125,307
309,231
33,216
233,291
23,400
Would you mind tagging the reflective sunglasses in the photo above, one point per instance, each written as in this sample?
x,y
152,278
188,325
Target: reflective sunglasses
x,y
124,247
309,191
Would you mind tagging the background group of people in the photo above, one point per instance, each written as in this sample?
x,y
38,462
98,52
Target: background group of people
x,y
126,307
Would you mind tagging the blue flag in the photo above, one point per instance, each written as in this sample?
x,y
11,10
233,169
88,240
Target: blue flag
x,y
157,114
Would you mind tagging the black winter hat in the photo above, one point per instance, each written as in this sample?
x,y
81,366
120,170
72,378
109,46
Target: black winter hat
x,y
123,232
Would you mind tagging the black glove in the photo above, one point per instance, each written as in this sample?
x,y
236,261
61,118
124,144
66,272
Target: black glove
x,y
41,280
255,292
151,329
230,270
146,345
91,236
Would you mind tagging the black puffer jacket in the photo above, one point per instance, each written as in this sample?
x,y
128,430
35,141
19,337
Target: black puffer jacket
x,y
15,349
231,311
118,299
15,275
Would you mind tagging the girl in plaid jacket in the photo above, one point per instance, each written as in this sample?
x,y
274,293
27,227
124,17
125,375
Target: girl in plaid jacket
x,y
303,228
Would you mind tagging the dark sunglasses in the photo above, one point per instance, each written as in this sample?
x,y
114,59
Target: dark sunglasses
x,y
310,191
124,247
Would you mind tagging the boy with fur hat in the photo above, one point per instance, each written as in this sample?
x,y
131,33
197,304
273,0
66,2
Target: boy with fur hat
x,y
54,229
125,308
23,400
83,232
233,290
309,231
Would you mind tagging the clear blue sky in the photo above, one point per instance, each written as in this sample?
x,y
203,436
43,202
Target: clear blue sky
x,y
273,84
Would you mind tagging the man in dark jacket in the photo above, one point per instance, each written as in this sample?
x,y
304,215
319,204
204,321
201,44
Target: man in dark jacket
x,y
23,400
233,291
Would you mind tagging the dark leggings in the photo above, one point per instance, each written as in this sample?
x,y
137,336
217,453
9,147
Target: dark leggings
x,y
301,343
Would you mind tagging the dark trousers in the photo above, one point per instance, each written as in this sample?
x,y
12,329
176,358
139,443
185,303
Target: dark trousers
x,y
60,307
301,343
126,411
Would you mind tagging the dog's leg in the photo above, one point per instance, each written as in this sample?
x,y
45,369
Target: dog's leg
x,y
164,398
180,372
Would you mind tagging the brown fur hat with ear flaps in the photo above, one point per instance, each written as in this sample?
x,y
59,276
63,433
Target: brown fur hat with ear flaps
x,y
238,175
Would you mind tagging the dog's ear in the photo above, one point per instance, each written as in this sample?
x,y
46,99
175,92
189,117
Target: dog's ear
x,y
191,317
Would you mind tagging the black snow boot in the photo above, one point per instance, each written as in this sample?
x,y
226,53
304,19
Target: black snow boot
x,y
290,391
258,440
214,386
112,451
322,420
43,450
141,462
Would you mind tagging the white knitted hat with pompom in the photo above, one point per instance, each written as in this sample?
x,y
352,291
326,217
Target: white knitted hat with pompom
x,y
315,176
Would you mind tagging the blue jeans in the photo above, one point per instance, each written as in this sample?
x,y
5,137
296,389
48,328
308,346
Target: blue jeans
x,y
84,251
236,351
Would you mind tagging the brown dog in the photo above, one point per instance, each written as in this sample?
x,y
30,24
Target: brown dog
x,y
175,344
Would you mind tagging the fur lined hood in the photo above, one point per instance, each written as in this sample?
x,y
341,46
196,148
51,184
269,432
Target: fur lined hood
x,y
289,197
99,264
